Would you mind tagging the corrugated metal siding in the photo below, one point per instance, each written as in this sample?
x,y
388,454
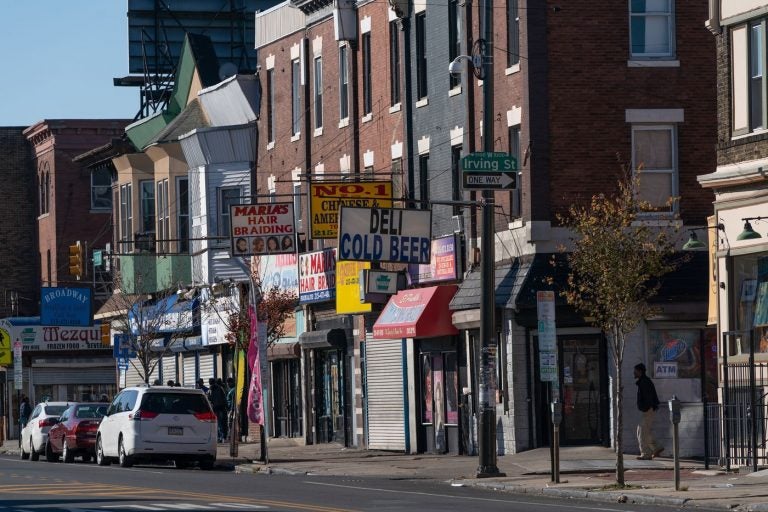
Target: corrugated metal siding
x,y
90,375
169,368
386,404
206,366
278,22
189,370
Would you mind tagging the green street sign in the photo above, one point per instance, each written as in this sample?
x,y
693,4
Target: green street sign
x,y
488,162
97,258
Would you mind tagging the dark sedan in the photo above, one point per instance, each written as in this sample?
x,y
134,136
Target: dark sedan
x,y
75,432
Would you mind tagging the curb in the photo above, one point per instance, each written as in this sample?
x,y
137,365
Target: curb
x,y
253,469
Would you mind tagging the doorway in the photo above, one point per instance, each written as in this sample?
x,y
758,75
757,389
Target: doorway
x,y
286,398
584,389
329,400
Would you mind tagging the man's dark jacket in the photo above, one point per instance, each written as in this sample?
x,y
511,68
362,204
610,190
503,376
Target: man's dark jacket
x,y
646,394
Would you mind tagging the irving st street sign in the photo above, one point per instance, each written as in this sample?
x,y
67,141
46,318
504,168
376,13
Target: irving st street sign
x,y
489,171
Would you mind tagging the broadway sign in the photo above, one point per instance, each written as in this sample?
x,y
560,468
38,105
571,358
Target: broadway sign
x,y
395,235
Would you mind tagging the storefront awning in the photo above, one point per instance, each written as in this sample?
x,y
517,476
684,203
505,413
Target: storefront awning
x,y
510,278
283,351
323,338
417,313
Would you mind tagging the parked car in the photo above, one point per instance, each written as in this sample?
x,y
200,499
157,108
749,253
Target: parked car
x,y
75,432
158,424
34,435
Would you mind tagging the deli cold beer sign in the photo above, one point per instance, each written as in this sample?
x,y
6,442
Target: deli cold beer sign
x,y
394,235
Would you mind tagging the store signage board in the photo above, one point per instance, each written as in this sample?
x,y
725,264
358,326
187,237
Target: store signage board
x,y
327,198
381,281
665,369
18,374
396,235
443,264
258,229
61,305
317,276
348,287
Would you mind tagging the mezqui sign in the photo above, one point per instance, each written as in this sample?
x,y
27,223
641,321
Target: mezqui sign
x,y
35,337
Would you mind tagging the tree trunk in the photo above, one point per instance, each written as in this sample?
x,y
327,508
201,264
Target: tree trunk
x,y
619,405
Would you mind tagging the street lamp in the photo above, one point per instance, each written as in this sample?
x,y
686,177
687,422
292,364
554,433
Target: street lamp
x,y
481,61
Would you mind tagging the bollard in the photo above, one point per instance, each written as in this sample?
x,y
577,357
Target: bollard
x,y
557,418
674,417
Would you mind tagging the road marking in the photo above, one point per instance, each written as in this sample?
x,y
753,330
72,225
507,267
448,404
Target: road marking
x,y
188,506
471,498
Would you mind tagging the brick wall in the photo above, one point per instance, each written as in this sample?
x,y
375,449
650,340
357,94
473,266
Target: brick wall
x,y
18,241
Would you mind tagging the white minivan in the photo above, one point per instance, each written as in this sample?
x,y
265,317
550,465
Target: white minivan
x,y
158,424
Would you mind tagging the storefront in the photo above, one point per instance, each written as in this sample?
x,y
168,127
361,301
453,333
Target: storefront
x,y
432,358
59,363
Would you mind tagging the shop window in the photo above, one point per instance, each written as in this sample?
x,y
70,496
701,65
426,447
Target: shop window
x,y
749,294
427,411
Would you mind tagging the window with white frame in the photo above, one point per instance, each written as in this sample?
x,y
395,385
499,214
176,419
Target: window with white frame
x,y
126,217
271,105
318,92
227,197
367,74
295,97
101,189
652,29
163,216
654,159
343,83
182,214
749,84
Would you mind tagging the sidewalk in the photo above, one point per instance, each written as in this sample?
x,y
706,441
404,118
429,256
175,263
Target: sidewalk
x,y
586,473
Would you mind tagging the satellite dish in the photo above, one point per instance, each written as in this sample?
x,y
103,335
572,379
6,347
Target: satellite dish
x,y
227,70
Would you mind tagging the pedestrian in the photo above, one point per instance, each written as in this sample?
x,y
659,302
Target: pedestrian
x,y
25,410
230,401
648,404
157,382
218,399
200,384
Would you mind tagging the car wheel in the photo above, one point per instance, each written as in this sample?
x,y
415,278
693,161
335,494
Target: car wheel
x,y
24,455
101,460
66,454
206,464
33,454
125,460
49,455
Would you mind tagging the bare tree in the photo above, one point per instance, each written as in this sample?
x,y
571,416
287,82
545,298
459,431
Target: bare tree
x,y
615,268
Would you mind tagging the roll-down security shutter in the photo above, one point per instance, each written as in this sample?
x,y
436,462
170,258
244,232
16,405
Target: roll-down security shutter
x,y
384,377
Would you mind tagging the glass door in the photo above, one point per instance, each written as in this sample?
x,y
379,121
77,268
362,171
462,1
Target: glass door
x,y
584,390
330,398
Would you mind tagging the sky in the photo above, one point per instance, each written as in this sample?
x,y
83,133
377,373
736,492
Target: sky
x,y
58,59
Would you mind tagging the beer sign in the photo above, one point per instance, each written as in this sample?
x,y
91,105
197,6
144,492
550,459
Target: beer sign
x,y
327,198
396,235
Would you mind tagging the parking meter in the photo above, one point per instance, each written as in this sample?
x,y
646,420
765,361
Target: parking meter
x,y
674,410
557,412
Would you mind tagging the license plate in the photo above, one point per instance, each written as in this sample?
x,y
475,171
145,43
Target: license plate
x,y
175,431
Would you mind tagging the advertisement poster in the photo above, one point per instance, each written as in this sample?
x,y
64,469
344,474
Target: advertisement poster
x,y
679,346
317,276
258,229
281,271
396,235
442,266
348,287
327,198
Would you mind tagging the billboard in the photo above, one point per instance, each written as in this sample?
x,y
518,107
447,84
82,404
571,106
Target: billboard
x,y
396,235
317,276
65,306
327,197
281,271
258,229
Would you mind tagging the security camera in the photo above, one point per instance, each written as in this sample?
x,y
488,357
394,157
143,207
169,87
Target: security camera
x,y
454,67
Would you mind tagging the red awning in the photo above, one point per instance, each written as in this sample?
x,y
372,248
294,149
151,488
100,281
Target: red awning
x,y
417,313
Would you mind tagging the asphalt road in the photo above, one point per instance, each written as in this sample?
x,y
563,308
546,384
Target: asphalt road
x,y
43,486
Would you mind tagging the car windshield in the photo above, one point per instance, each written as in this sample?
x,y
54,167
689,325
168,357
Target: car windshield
x,y
55,410
174,403
95,411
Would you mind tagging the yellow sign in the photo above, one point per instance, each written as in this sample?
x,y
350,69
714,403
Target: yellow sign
x,y
712,244
6,348
348,287
327,198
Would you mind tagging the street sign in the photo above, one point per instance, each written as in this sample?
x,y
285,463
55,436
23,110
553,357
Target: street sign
x,y
18,375
489,171
122,363
489,180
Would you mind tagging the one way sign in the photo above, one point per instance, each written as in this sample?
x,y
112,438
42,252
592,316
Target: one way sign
x,y
491,180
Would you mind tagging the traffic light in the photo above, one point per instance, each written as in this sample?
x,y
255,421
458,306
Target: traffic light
x,y
105,331
76,260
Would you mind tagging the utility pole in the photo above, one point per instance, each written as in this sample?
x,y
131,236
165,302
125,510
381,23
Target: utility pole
x,y
486,432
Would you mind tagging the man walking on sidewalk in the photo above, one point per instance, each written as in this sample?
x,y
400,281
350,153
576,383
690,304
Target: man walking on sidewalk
x,y
648,403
